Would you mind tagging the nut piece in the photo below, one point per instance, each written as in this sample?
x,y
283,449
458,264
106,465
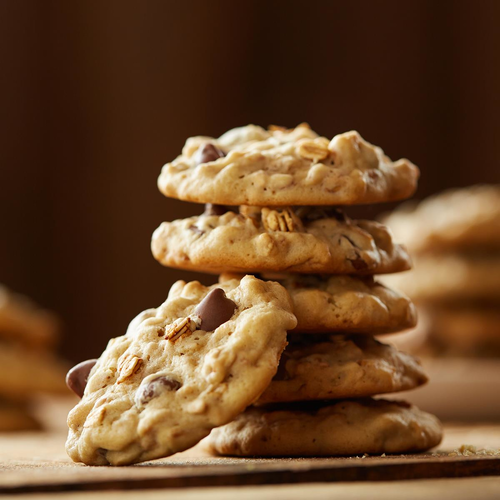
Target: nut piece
x,y
315,150
127,366
280,220
179,328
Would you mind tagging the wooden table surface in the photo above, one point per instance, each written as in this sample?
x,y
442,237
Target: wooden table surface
x,y
35,465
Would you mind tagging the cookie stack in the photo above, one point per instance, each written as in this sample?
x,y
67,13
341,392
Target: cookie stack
x,y
214,358
455,237
29,366
272,210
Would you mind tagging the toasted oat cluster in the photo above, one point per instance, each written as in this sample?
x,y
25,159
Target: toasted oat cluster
x,y
280,220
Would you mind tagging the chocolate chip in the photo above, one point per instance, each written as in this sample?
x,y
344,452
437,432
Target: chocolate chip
x,y
207,152
358,263
211,209
214,310
76,379
154,387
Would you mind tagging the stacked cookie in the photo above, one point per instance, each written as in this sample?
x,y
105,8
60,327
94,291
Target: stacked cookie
x,y
192,364
455,237
29,366
272,210
292,268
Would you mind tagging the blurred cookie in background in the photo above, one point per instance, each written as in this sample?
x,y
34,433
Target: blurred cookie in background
x,y
460,220
23,322
450,279
30,365
454,239
15,416
467,331
451,332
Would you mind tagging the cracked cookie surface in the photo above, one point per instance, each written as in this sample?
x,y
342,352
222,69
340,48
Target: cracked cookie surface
x,y
342,303
299,239
338,367
164,385
253,166
344,428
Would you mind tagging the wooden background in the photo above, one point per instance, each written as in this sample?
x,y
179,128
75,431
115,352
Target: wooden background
x,y
95,96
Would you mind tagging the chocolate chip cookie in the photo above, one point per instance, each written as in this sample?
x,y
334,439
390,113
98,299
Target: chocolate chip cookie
x,y
191,365
298,239
344,428
278,167
341,303
338,367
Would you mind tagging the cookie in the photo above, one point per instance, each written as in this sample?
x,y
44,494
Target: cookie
x,y
25,372
277,167
301,240
338,367
466,331
24,322
448,278
192,364
455,220
344,428
341,303
16,417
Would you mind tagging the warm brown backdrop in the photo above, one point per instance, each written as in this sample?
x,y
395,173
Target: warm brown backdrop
x,y
96,96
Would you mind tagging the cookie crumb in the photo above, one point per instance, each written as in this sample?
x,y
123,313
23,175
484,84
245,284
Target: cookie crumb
x,y
467,450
